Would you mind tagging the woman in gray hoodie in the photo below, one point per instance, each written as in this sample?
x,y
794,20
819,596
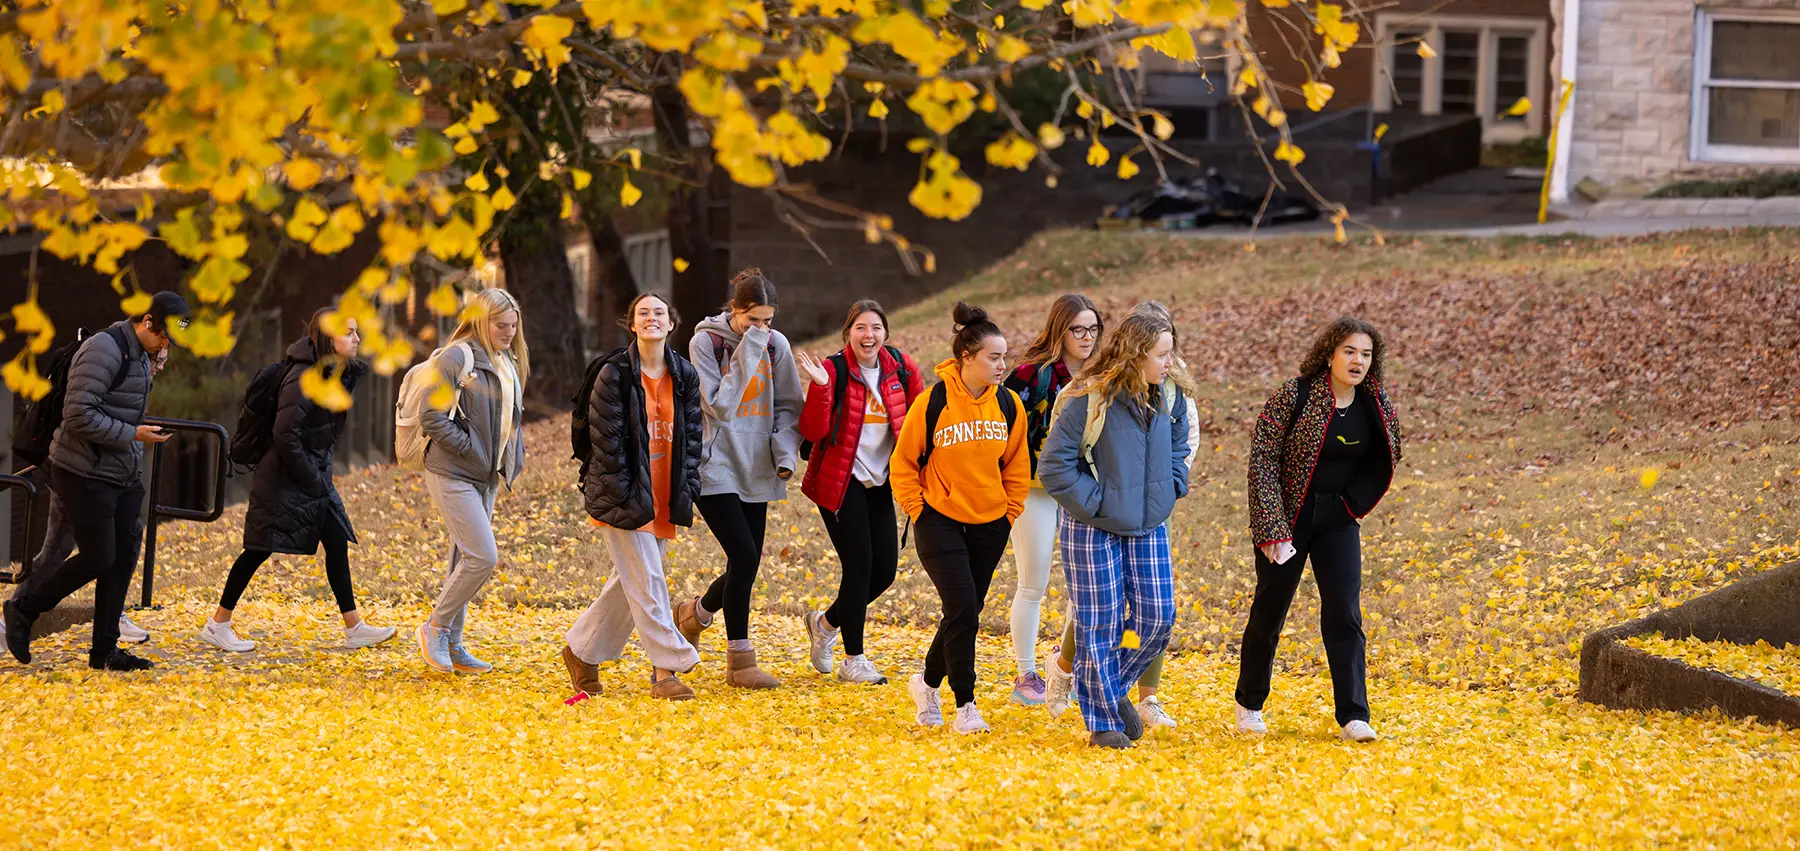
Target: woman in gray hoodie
x,y
473,448
750,398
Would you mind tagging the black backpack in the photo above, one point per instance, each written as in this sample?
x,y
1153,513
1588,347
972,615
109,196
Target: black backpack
x,y
841,369
1299,405
934,408
578,415
41,419
255,431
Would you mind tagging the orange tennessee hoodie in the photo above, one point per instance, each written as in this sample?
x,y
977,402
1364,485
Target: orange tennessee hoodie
x,y
979,469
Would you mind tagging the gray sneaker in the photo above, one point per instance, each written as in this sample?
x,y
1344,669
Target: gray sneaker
x,y
464,662
434,647
931,710
858,669
821,637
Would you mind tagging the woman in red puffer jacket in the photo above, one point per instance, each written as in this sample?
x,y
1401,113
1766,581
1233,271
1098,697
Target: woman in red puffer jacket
x,y
852,431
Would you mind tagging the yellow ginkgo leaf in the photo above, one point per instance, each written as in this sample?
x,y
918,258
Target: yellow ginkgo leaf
x,y
520,77
1519,107
1425,51
1380,131
302,173
1129,641
629,193
136,304
504,199
680,265
326,392
1127,168
581,178
1649,478
478,182
1288,153
1050,136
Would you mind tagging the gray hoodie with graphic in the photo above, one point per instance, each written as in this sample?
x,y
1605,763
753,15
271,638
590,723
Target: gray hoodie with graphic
x,y
751,398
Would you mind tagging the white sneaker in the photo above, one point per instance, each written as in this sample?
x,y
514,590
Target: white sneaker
x,y
1151,710
1250,721
363,635
968,720
931,711
131,633
822,638
858,669
220,635
1359,731
1061,689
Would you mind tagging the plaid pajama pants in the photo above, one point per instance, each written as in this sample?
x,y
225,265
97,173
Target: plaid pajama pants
x,y
1109,574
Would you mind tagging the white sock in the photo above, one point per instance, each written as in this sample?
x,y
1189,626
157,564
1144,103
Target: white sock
x,y
739,645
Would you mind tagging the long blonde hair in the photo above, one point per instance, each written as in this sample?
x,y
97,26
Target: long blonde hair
x,y
1112,372
477,321
1048,346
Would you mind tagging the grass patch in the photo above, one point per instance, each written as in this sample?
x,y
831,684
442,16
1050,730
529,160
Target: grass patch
x,y
1532,152
1768,184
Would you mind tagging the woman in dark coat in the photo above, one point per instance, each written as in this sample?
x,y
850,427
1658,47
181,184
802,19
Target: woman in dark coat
x,y
294,508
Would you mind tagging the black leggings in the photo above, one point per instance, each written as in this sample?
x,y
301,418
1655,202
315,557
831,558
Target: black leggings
x,y
960,558
738,525
1336,554
868,546
337,569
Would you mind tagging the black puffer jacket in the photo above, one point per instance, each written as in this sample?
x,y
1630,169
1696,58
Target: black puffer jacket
x,y
617,488
291,496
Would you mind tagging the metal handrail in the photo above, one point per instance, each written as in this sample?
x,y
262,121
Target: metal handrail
x,y
159,511
30,490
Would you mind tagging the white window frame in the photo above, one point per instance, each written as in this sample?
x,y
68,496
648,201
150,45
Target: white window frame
x,y
1700,105
1493,129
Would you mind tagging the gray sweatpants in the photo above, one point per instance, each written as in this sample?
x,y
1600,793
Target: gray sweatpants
x,y
468,513
635,597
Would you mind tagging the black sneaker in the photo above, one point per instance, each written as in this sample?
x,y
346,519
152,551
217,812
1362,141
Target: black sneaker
x,y
120,660
1110,739
1134,726
18,632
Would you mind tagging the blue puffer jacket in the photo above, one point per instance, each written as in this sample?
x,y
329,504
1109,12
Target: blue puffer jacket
x,y
1140,466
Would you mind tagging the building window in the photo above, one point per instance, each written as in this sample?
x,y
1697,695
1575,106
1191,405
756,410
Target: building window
x,y
1746,103
1482,67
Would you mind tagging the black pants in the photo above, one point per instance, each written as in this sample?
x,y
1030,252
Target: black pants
x,y
738,525
868,546
337,569
105,519
1335,547
960,559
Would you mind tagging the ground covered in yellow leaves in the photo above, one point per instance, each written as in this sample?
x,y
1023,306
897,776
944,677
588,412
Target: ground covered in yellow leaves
x,y
1595,430
1761,663
312,747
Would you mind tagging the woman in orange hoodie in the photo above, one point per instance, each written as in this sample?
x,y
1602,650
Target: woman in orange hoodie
x,y
961,473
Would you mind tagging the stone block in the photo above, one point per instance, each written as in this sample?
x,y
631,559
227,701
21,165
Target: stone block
x,y
1727,206
1644,142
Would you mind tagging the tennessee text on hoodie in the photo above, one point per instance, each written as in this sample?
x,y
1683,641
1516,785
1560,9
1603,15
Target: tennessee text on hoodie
x,y
979,469
752,410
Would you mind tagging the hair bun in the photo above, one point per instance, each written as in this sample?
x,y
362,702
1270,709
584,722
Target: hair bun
x,y
966,315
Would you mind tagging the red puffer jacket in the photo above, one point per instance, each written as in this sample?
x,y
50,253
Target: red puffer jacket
x,y
833,462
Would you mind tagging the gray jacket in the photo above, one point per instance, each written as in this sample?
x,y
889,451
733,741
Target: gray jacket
x,y
1140,466
98,435
463,447
751,404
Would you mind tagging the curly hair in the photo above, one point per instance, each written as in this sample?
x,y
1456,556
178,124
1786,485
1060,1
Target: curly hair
x,y
1318,358
1048,346
1113,371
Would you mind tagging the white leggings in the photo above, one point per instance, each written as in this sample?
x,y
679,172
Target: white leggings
x,y
1033,540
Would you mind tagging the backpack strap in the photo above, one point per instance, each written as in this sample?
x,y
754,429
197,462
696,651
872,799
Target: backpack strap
x,y
118,379
721,351
904,373
840,384
934,408
1299,404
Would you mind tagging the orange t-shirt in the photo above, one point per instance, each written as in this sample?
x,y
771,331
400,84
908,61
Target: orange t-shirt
x,y
659,403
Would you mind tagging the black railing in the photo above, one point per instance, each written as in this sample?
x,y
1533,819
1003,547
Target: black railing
x,y
215,503
29,490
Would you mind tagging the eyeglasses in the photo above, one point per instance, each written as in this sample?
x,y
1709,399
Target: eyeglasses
x,y
1085,332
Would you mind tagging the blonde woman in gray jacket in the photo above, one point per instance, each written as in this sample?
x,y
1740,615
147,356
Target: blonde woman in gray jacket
x,y
751,398
473,449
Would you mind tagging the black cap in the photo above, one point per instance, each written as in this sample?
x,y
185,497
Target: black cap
x,y
168,305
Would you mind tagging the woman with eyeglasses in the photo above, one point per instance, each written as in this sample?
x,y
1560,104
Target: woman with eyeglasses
x,y
1064,344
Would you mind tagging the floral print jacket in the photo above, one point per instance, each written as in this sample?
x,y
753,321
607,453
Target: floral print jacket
x,y
1282,460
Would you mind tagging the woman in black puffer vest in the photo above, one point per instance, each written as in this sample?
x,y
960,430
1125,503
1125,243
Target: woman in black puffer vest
x,y
638,482
294,507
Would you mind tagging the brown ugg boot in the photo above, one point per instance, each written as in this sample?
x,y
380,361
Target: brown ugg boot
x,y
741,671
687,621
670,688
583,676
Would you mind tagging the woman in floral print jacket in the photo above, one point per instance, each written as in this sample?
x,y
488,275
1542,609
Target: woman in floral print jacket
x,y
1324,453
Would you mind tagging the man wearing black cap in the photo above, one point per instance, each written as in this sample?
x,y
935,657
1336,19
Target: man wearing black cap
x,y
94,463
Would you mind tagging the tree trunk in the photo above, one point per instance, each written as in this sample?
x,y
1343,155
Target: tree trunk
x,y
537,274
614,285
699,289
